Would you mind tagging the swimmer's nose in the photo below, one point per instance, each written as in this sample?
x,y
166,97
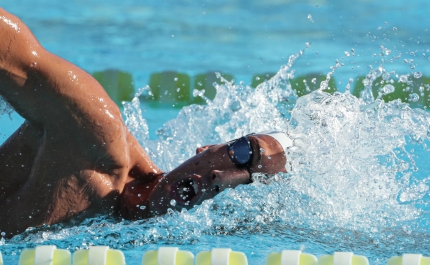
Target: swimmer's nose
x,y
222,180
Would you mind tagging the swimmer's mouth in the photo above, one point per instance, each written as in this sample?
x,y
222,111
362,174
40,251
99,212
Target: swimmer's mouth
x,y
185,192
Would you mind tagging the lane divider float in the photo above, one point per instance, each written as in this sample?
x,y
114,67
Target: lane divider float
x,y
103,255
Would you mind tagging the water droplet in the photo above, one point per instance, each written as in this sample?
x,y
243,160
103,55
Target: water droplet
x,y
178,89
257,78
143,207
269,157
347,54
235,106
3,234
386,76
414,97
176,79
403,78
138,195
137,205
198,93
394,28
310,18
261,150
418,74
260,166
387,89
314,81
173,202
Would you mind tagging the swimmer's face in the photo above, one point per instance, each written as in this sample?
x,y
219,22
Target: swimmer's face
x,y
201,177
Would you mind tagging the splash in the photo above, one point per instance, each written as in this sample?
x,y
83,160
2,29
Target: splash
x,y
355,165
356,142
351,160
358,178
236,110
352,165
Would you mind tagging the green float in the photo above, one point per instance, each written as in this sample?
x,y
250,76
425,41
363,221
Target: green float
x,y
206,82
302,84
118,84
170,87
306,84
414,91
260,78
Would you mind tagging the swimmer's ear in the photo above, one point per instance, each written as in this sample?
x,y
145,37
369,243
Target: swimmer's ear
x,y
203,148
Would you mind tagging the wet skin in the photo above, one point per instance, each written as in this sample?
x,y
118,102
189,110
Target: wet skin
x,y
74,153
201,177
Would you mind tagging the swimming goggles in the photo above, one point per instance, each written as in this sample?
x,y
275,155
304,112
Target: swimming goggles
x,y
240,152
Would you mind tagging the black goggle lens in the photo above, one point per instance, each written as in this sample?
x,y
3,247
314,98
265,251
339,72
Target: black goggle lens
x,y
240,151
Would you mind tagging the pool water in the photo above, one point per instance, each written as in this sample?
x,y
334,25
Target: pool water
x,y
360,177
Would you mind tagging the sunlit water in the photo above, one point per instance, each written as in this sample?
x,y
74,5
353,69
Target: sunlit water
x,y
359,178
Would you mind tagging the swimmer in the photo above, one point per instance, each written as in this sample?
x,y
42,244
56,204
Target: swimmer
x,y
74,154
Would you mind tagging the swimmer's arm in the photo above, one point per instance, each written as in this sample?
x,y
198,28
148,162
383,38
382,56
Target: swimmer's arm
x,y
57,96
33,80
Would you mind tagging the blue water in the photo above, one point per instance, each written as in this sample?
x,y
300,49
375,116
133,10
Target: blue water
x,y
360,179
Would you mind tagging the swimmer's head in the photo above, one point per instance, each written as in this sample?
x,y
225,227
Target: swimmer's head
x,y
213,169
